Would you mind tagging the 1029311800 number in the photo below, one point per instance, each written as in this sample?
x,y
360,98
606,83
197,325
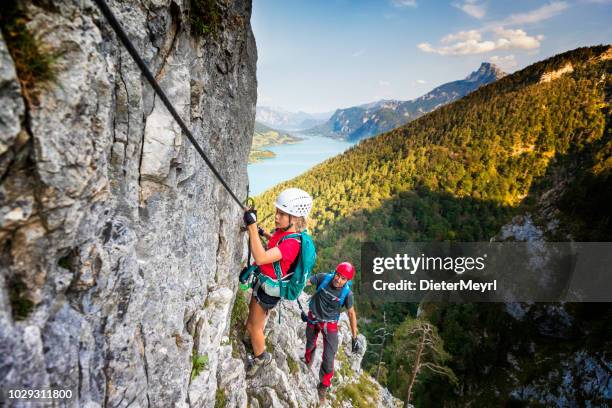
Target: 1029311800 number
x,y
38,394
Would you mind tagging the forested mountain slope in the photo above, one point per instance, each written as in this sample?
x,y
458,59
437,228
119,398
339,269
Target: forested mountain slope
x,y
532,148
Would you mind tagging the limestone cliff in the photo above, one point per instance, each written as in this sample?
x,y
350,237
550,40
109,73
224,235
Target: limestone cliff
x,y
118,245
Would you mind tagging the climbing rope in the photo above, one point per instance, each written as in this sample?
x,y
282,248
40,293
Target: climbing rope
x,y
248,201
112,20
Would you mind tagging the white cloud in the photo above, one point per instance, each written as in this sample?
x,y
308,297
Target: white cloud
x,y
500,37
506,62
534,16
516,39
404,3
462,36
421,81
469,42
472,8
358,53
460,48
383,83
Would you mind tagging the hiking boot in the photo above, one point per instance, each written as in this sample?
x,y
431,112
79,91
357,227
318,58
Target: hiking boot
x,y
322,392
254,363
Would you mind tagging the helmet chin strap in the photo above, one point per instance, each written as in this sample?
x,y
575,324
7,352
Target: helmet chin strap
x,y
288,226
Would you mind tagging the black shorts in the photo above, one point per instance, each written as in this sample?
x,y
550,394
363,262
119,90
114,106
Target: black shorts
x,y
266,301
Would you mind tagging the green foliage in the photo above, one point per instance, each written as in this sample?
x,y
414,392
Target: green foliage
x,y
293,365
480,337
417,345
220,399
21,305
240,312
205,17
35,63
345,368
361,394
269,344
199,363
64,262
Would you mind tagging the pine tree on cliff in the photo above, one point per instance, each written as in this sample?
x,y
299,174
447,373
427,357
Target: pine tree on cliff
x,y
417,342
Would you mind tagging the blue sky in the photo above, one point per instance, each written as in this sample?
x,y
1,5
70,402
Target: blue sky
x,y
317,56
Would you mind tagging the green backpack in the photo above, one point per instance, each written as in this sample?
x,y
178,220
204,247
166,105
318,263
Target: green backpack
x,y
290,286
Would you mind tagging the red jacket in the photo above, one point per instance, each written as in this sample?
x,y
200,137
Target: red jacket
x,y
289,248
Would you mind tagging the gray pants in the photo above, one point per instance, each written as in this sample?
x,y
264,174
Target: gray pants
x,y
330,347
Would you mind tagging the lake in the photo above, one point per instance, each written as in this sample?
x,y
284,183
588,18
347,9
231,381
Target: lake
x,y
292,160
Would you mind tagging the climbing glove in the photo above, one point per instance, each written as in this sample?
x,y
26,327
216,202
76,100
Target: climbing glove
x,y
250,217
355,346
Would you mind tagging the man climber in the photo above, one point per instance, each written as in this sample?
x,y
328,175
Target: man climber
x,y
333,293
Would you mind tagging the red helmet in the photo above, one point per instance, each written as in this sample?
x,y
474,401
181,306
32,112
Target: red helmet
x,y
346,269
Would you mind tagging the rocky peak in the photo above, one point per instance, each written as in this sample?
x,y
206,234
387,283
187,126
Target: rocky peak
x,y
487,72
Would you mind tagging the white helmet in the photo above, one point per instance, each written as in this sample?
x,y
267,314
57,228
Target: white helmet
x,y
295,202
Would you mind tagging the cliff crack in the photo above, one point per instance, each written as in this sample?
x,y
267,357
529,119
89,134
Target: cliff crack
x,y
142,143
144,360
127,98
176,25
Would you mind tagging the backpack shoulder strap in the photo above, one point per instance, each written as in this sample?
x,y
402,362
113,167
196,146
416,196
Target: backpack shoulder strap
x,y
294,235
276,264
325,282
346,290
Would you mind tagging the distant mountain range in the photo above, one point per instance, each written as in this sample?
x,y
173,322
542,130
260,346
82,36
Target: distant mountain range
x,y
281,119
371,119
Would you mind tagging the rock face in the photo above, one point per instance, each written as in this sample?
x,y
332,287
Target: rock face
x,y
287,381
551,76
118,246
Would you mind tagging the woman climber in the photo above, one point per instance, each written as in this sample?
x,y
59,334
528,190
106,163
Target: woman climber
x,y
292,207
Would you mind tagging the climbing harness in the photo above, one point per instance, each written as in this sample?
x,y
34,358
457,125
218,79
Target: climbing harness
x,y
247,201
112,20
291,285
323,324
